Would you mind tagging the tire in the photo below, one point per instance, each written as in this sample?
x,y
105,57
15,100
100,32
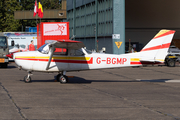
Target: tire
x,y
26,79
171,63
63,79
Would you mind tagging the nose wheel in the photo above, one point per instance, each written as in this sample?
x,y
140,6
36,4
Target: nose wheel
x,y
27,78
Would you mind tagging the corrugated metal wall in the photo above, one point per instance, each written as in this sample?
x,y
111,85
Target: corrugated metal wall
x,y
143,20
85,22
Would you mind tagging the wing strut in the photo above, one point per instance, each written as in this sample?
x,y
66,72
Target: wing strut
x,y
52,49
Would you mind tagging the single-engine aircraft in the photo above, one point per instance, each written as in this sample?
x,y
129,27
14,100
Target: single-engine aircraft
x,y
76,58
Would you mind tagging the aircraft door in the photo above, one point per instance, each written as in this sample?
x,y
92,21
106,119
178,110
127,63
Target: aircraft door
x,y
75,59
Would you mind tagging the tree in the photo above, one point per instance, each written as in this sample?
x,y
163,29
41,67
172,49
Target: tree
x,y
7,8
7,21
29,5
51,4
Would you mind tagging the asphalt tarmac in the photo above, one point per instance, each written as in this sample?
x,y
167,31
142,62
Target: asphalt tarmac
x,y
143,93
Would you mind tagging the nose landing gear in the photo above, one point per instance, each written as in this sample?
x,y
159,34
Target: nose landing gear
x,y
27,78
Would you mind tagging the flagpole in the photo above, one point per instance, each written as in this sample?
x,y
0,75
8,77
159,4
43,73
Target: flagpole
x,y
35,10
36,20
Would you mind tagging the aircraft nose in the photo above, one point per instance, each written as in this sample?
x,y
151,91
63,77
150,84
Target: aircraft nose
x,y
10,55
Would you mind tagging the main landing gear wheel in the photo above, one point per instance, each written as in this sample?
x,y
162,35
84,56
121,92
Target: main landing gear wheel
x,y
62,78
171,63
27,79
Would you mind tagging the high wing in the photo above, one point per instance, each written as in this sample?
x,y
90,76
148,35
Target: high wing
x,y
68,44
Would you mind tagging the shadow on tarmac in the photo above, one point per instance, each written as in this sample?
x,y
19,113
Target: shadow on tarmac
x,y
84,81
8,67
78,80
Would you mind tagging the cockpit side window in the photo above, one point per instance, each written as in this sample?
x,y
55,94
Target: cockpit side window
x,y
61,51
44,49
78,52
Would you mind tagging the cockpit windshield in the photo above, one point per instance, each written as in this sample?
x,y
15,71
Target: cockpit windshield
x,y
44,49
72,52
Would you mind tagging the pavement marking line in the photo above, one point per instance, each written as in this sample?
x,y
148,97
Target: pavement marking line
x,y
159,80
173,81
12,100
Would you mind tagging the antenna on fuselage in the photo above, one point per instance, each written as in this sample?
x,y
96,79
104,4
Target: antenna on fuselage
x,y
73,36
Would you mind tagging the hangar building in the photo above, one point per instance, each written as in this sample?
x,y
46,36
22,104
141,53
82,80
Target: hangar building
x,y
112,22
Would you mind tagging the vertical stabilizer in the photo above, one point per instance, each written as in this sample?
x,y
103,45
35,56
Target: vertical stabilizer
x,y
157,48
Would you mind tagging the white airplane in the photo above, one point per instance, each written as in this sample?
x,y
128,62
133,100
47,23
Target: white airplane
x,y
18,48
76,58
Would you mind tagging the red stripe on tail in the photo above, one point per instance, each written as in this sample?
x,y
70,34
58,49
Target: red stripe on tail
x,y
157,47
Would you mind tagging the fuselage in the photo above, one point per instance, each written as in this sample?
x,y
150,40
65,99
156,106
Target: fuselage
x,y
36,61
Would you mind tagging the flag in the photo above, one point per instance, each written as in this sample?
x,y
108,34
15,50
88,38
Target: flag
x,y
40,9
35,8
